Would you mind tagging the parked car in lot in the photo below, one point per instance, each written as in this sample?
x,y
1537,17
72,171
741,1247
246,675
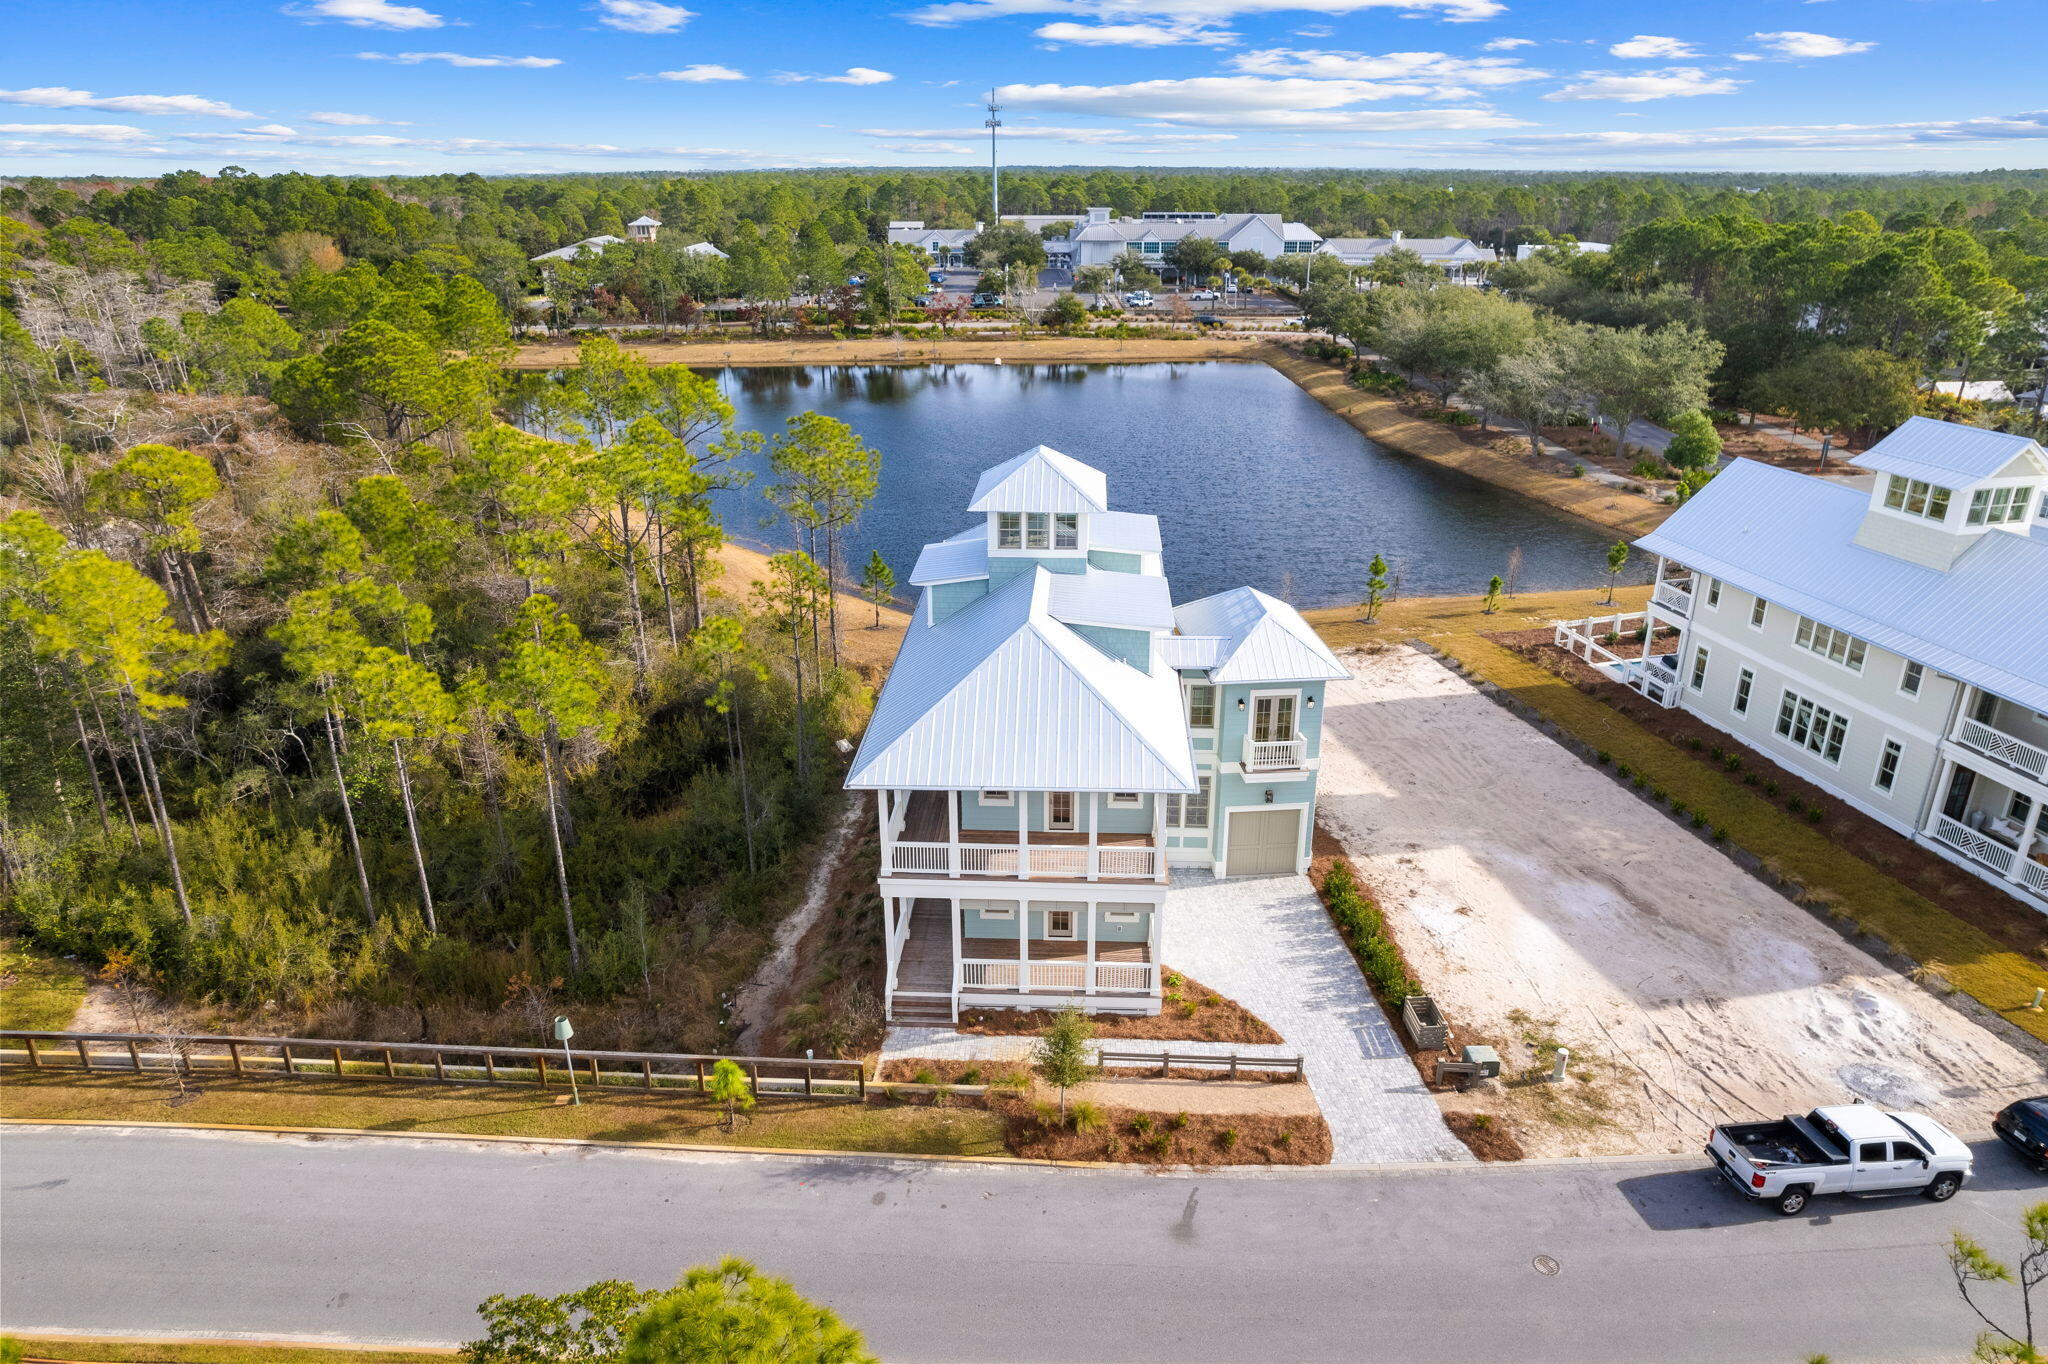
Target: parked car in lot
x,y
1842,1149
938,276
1138,298
986,301
2023,1126
1205,295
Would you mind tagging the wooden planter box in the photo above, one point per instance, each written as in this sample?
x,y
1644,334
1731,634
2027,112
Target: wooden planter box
x,y
1425,1023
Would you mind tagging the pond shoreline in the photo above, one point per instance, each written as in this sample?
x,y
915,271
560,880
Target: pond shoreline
x,y
1379,419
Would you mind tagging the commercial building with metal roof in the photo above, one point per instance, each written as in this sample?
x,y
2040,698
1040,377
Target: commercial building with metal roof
x,y
1883,639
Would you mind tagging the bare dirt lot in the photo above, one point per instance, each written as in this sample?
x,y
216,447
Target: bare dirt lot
x,y
1543,905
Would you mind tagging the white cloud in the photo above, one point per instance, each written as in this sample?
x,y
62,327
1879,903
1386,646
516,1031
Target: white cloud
x,y
926,148
352,120
88,132
273,130
1134,35
643,16
1647,46
1508,44
1434,68
1252,102
1832,138
854,75
1314,31
366,14
63,97
1673,82
1200,12
1038,132
1794,44
455,59
700,74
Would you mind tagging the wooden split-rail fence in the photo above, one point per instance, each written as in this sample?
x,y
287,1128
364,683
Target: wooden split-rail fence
x,y
1167,1060
424,1062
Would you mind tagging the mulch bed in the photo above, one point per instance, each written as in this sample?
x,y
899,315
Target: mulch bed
x,y
1486,1135
919,1070
1192,1012
1131,1137
1973,901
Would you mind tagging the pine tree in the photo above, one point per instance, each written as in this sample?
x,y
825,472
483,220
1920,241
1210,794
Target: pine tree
x,y
878,580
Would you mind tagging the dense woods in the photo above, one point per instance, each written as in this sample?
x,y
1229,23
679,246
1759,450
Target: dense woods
x,y
352,685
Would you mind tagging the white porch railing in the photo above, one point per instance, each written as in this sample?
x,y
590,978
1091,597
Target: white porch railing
x,y
1061,977
1996,744
1674,595
1977,847
1654,676
1128,861
1274,755
920,857
2034,876
1121,861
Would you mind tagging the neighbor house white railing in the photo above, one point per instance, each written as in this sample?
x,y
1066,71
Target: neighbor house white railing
x,y
2015,753
1274,755
1973,845
1675,595
1655,677
2034,876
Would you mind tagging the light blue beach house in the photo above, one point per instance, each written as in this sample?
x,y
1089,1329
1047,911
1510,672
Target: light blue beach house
x,y
1056,736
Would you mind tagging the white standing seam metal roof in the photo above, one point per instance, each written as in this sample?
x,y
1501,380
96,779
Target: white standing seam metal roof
x,y
1264,639
1041,480
1790,539
1131,532
953,559
644,221
1947,453
1190,651
1119,601
1001,696
592,245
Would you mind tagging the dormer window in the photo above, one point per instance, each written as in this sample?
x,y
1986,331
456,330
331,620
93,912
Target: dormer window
x,y
1037,530
1916,497
1998,506
1009,530
1066,530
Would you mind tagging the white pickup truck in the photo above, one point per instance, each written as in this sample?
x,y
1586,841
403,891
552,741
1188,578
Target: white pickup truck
x,y
1843,1149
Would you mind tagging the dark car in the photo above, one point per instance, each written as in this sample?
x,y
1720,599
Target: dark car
x,y
1208,320
2023,1126
987,301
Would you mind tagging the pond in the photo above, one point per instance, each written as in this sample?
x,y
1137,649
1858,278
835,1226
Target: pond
x,y
1253,481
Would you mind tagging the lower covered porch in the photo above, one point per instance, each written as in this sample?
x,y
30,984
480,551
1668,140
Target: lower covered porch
x,y
966,952
1993,822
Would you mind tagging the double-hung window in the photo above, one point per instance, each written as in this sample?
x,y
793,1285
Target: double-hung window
x,y
1911,678
1836,646
1066,530
1699,668
1713,591
1189,812
1916,497
1037,530
1996,506
1009,530
1812,726
1888,765
1201,706
1758,609
1745,682
1126,800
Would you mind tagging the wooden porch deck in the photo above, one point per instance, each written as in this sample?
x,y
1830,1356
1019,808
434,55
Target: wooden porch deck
x,y
925,822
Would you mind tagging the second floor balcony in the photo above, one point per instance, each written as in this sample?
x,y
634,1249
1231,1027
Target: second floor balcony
x,y
923,835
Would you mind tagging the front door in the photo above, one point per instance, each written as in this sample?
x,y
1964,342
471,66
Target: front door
x,y
1263,842
1272,718
1059,811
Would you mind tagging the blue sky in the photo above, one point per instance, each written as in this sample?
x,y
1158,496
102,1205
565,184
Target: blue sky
x,y
379,86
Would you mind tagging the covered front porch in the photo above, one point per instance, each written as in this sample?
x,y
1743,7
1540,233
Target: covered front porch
x,y
953,952
1988,816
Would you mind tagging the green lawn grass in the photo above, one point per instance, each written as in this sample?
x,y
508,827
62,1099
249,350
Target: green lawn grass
x,y
37,992
1912,925
131,1352
381,1105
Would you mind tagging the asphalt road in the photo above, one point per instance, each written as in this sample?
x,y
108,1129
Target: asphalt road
x,y
395,1240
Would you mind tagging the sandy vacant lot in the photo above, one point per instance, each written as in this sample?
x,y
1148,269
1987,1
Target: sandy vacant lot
x,y
1543,903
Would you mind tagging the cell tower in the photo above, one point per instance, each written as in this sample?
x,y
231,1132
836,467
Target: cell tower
x,y
995,183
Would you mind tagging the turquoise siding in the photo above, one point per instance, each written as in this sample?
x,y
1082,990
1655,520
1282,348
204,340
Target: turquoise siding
x,y
1005,567
1232,723
1116,561
947,598
975,815
974,925
1128,646
1237,792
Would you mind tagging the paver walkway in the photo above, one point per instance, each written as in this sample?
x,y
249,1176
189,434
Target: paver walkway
x,y
1267,943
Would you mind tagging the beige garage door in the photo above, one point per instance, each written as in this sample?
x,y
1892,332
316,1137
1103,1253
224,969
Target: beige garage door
x,y
1263,842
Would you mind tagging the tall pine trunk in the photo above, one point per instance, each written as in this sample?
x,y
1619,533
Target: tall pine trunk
x,y
547,763
348,815
668,605
632,570
139,733
99,792
412,829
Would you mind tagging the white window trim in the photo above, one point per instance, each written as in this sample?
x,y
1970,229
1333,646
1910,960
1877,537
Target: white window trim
x,y
1907,670
1800,746
1814,637
1215,700
1251,712
1759,614
1124,800
994,798
1696,679
1714,593
1073,813
1738,703
1051,934
1122,916
996,911
1889,742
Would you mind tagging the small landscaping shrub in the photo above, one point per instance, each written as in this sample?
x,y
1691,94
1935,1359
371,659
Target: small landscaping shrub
x,y
1622,769
1141,1124
1160,1144
924,1077
1640,781
1211,1001
1188,1008
971,1076
1696,744
1750,778
1771,789
1047,1112
1603,757
1733,763
1715,753
1284,1139
1174,980
1177,1121
1794,804
1086,1117
1699,821
1658,794
1813,814
1578,471
1678,808
1227,1138
1720,834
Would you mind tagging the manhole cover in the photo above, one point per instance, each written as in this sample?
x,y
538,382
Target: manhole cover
x,y
1545,1265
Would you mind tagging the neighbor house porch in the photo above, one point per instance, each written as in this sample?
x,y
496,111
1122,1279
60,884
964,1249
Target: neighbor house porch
x,y
1989,795
954,952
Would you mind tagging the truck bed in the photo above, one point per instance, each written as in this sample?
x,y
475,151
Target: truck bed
x,y
1788,1141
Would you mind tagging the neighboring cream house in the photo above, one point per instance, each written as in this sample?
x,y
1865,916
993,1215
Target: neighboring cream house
x,y
947,246
1055,736
1886,640
1456,255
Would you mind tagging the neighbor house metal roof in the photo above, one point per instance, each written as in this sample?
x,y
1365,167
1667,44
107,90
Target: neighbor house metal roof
x,y
1354,250
644,221
593,245
1001,695
1946,453
1121,601
1041,480
956,557
1264,639
1790,538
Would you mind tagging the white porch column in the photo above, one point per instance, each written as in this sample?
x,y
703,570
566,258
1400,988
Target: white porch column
x,y
1023,944
953,912
952,833
1159,834
1155,942
1088,978
1023,835
2026,844
888,839
894,949
1094,844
